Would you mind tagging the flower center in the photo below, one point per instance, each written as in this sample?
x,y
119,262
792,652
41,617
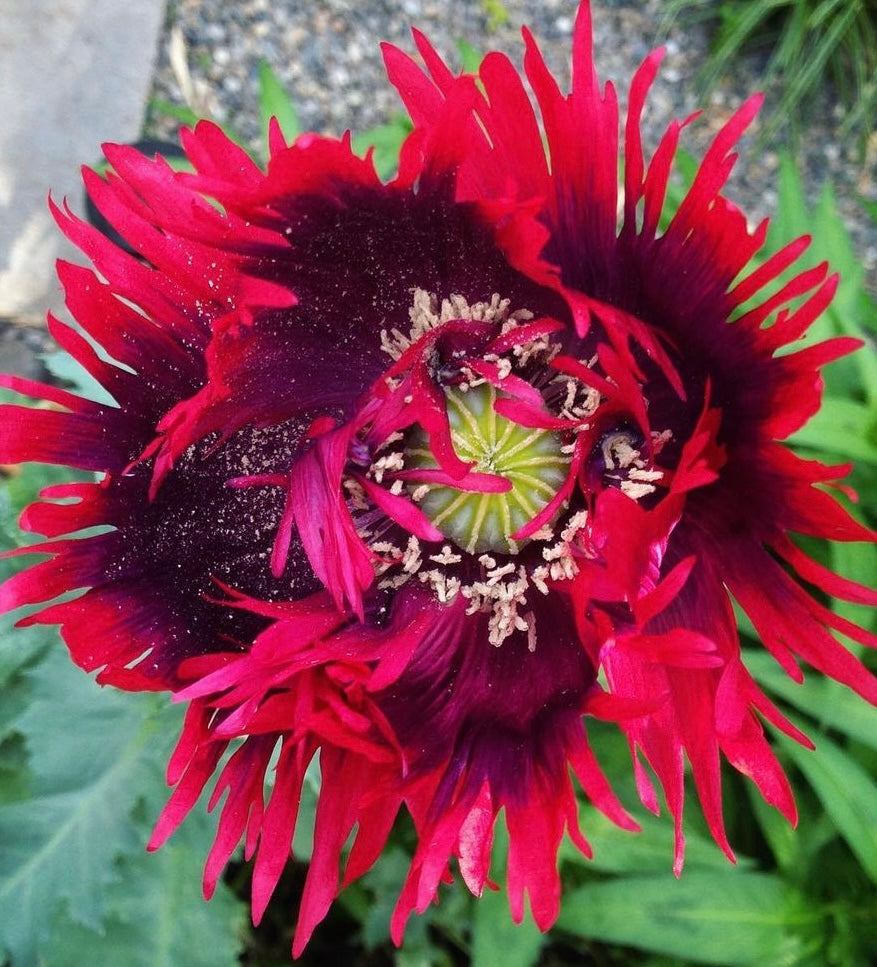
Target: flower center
x,y
454,480
532,460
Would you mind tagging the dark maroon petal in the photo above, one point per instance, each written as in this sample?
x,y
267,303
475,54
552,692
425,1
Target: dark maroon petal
x,y
477,713
154,577
353,253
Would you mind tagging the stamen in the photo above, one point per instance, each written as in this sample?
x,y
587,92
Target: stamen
x,y
426,315
530,620
618,448
501,600
411,559
447,556
538,576
633,475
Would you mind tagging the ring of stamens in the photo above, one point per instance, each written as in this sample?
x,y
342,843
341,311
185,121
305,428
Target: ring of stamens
x,y
481,562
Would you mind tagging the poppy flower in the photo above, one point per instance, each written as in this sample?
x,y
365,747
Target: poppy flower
x,y
409,478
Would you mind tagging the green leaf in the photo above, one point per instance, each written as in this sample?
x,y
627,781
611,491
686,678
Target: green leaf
x,y
685,167
848,795
470,56
792,211
852,311
386,140
842,427
782,838
713,918
156,915
419,949
15,777
20,486
177,112
831,240
810,42
87,751
857,561
274,101
21,647
17,695
649,851
499,942
829,703
380,887
303,837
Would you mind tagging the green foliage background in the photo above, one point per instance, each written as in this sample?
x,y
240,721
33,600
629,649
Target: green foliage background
x,y
808,44
81,779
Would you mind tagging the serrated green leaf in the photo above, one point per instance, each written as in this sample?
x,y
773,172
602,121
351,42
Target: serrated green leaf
x,y
727,918
15,777
19,487
16,696
156,915
22,647
86,751
847,793
274,101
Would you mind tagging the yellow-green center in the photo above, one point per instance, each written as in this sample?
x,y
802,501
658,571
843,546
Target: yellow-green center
x,y
531,459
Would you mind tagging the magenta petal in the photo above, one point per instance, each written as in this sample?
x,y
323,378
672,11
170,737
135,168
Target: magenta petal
x,y
477,483
402,510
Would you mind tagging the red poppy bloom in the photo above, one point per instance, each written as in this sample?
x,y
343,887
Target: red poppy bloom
x,y
397,469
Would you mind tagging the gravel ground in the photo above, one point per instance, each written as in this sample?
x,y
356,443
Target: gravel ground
x,y
326,53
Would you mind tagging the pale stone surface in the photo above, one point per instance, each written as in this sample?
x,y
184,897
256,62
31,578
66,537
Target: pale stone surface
x,y
73,74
